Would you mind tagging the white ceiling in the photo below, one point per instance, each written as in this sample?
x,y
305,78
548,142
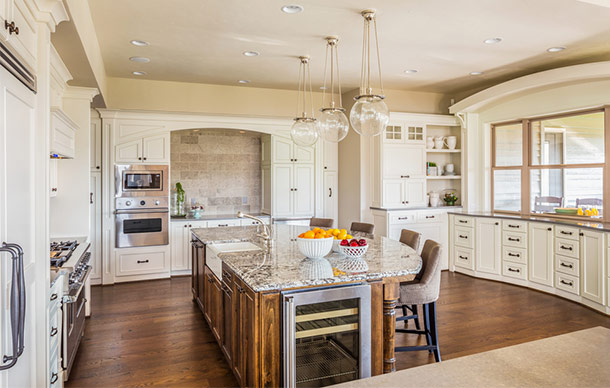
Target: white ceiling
x,y
203,40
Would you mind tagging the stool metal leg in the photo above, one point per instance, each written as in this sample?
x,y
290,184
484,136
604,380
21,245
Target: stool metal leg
x,y
434,332
405,312
427,325
416,313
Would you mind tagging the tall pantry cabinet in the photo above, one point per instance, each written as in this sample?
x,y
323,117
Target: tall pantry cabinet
x,y
95,197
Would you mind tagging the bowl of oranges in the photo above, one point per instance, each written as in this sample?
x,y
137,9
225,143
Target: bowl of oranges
x,y
315,243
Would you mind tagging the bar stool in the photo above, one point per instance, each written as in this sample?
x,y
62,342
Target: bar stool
x,y
321,222
362,227
410,238
424,290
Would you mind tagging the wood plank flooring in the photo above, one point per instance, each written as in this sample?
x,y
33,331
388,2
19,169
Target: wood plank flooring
x,y
152,334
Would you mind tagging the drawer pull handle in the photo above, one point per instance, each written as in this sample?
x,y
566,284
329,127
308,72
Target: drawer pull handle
x,y
513,226
566,283
403,218
514,270
53,296
514,254
462,221
227,275
53,331
462,236
430,216
514,239
54,378
564,232
549,229
223,225
463,257
142,261
405,176
566,248
567,265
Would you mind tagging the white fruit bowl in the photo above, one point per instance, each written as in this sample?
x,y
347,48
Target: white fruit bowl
x,y
315,248
354,252
336,247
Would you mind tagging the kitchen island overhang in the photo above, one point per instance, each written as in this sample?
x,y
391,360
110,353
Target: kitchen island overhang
x,y
239,294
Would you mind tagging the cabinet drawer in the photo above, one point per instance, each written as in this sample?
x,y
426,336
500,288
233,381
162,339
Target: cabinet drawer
x,y
223,223
514,226
512,239
464,258
567,247
567,265
463,221
514,255
402,218
566,232
227,275
141,263
248,222
514,270
567,283
464,237
429,217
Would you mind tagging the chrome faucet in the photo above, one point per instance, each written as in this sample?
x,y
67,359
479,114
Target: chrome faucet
x,y
266,235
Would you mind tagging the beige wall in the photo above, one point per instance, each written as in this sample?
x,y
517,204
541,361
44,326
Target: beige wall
x,y
166,96
354,151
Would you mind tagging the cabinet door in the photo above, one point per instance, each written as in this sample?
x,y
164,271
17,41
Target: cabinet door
x,y
227,322
393,193
331,156
26,42
96,146
487,245
5,14
330,195
282,150
433,231
282,190
179,255
303,154
201,274
130,152
303,202
53,177
540,263
238,339
95,197
216,314
266,189
156,149
404,161
592,264
415,192
249,309
195,273
394,133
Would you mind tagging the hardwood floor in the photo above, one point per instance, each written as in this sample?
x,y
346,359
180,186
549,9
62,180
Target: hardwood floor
x,y
152,334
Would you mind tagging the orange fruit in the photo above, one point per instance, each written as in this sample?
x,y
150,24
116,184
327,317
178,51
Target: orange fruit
x,y
302,235
309,234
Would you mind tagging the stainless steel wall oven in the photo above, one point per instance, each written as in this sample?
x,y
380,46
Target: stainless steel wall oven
x,y
141,222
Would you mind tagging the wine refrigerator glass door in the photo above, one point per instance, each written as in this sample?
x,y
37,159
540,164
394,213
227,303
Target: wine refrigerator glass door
x,y
327,336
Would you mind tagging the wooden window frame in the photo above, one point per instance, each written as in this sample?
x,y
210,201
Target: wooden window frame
x,y
526,163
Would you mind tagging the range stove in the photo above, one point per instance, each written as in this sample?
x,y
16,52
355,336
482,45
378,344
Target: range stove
x,y
61,251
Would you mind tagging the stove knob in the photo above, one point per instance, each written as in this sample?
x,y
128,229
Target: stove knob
x,y
128,203
142,203
157,203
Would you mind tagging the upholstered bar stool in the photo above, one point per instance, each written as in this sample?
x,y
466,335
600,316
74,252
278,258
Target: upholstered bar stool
x,y
321,222
411,239
424,290
362,227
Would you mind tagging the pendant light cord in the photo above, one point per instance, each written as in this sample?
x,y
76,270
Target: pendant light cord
x,y
325,68
378,56
338,76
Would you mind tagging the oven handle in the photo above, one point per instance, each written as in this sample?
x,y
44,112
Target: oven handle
x,y
72,296
141,211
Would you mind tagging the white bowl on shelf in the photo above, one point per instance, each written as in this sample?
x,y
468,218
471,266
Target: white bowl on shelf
x,y
315,248
354,252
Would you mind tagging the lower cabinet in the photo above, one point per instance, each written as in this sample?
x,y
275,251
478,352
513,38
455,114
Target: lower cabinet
x,y
540,269
142,263
592,263
487,245
212,306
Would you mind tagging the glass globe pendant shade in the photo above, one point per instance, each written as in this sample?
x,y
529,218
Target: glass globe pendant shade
x,y
304,132
333,125
369,115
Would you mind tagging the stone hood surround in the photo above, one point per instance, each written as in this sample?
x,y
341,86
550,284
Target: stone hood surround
x,y
282,267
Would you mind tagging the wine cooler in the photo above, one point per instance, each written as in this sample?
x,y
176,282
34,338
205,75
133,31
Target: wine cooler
x,y
326,335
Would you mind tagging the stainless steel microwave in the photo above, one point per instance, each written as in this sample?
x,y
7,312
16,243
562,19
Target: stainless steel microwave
x,y
137,180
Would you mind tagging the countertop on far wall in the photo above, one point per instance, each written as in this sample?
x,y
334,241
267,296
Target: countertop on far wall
x,y
585,223
285,267
211,217
578,359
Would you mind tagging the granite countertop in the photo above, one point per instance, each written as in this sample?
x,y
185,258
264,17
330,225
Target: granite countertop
x,y
557,361
284,267
211,217
588,223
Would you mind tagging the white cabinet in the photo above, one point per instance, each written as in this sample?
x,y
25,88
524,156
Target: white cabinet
x,y
24,43
487,245
151,149
404,133
331,204
540,266
53,178
283,150
282,197
63,134
180,237
331,156
592,263
404,161
142,263
95,203
403,193
96,145
293,190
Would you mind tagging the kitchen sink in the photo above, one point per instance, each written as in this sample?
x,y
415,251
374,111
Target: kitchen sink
x,y
242,246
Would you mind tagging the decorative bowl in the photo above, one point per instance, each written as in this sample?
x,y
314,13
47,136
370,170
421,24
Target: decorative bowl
x,y
336,246
352,265
354,252
315,248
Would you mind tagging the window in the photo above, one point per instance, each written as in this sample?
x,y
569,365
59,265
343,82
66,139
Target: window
x,y
563,167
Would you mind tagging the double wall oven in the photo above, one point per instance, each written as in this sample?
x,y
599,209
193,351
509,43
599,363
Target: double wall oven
x,y
141,203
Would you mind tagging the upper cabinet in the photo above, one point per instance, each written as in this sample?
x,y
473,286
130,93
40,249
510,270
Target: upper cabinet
x,y
63,133
95,163
331,156
402,133
19,30
283,150
150,149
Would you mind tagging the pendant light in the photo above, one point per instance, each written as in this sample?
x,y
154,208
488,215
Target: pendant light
x,y
304,131
332,123
369,115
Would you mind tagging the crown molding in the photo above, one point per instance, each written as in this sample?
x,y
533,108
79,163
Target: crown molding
x,y
50,12
80,93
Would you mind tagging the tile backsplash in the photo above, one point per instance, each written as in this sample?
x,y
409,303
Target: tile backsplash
x,y
220,168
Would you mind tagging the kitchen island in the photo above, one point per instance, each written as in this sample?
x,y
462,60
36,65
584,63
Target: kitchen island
x,y
240,294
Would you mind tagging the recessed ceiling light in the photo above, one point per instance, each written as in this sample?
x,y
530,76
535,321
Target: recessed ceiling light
x,y
251,53
140,43
555,49
493,40
139,73
476,73
410,71
292,8
140,59
244,81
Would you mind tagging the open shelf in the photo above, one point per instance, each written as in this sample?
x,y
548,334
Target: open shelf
x,y
443,151
444,177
